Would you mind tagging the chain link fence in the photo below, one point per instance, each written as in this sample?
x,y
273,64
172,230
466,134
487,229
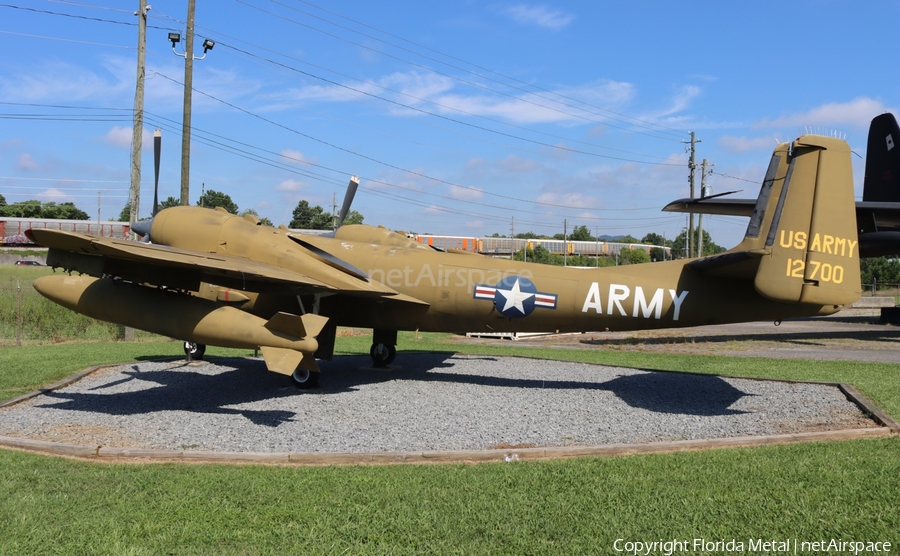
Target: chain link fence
x,y
880,289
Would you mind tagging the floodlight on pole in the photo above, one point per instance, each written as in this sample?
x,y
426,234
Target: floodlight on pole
x,y
189,58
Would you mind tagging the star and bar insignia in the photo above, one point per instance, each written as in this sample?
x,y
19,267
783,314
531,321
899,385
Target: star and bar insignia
x,y
515,296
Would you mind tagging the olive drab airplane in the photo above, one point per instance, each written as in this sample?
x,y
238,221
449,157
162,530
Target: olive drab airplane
x,y
877,215
210,277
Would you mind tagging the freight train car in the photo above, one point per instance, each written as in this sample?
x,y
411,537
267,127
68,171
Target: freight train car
x,y
12,230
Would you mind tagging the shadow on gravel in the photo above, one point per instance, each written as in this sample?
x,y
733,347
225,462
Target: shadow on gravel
x,y
661,392
188,388
183,389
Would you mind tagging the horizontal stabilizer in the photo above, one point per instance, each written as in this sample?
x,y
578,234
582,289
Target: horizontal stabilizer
x,y
299,326
285,361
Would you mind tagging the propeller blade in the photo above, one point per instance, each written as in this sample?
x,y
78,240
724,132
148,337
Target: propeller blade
x,y
157,147
348,199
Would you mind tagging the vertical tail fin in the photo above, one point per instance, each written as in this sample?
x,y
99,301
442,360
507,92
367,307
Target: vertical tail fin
x,y
883,161
804,225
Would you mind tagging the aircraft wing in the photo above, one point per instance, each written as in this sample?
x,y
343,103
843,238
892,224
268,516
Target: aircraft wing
x,y
186,269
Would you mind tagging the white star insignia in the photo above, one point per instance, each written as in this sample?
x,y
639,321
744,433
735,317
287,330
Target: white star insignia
x,y
514,298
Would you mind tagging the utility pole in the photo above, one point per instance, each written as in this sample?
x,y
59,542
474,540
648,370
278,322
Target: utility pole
x,y
333,210
186,123
189,58
692,166
703,193
137,130
565,242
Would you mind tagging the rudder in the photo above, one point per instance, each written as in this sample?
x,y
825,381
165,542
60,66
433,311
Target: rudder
x,y
810,252
882,182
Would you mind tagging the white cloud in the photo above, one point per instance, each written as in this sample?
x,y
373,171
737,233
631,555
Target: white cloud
x,y
27,162
12,144
58,80
291,185
857,113
121,137
542,16
465,194
745,144
414,92
515,163
294,157
55,195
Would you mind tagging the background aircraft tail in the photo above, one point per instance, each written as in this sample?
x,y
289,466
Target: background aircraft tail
x,y
802,234
882,183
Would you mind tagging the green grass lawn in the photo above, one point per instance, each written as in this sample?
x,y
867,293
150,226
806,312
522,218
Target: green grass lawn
x,y
844,490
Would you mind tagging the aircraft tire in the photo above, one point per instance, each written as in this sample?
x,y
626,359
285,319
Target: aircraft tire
x,y
382,354
303,379
194,349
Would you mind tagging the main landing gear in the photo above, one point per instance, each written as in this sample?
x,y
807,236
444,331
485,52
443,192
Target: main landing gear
x,y
382,355
194,350
384,347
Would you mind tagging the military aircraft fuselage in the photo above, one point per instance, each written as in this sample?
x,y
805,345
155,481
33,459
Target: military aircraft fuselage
x,y
472,293
207,270
461,292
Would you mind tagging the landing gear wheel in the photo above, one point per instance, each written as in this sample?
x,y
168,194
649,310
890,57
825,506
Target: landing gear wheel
x,y
304,379
195,350
382,354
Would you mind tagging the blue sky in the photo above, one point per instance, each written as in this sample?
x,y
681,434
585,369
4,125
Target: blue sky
x,y
458,116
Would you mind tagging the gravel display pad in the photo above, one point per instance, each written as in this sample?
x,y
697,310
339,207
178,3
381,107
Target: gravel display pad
x,y
432,402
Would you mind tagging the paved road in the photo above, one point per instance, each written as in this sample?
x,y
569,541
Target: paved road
x,y
853,335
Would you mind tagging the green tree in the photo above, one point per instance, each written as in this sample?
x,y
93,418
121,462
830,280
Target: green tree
x,y
306,217
2,201
23,209
63,211
354,217
657,253
213,199
125,215
169,203
528,235
581,233
636,256
263,220
709,247
879,271
36,209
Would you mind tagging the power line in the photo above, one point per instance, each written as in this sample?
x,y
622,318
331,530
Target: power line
x,y
375,160
470,83
453,109
73,16
450,56
66,40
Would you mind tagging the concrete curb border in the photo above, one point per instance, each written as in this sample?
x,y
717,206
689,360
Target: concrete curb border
x,y
889,427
